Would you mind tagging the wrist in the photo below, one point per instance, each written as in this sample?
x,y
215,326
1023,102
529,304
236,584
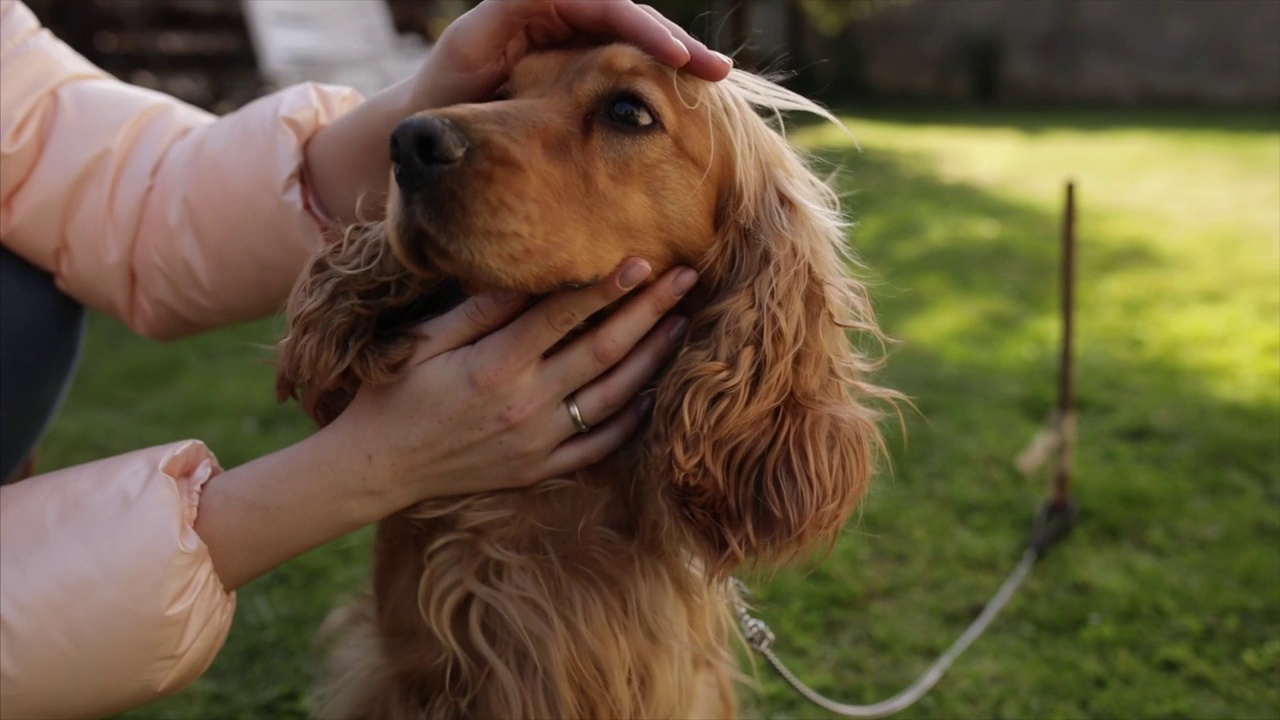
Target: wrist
x,y
422,89
374,483
436,84
259,515
347,162
398,101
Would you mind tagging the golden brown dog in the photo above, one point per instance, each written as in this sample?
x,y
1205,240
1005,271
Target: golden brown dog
x,y
604,594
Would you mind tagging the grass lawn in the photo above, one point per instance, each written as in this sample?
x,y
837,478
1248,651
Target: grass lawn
x,y
1165,601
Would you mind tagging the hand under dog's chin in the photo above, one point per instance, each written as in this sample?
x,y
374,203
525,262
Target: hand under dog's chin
x,y
476,276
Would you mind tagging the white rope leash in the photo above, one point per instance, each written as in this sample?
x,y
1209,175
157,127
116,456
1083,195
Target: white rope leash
x,y
760,637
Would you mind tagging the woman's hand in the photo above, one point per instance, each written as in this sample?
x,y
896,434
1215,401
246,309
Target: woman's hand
x,y
476,52
483,407
348,160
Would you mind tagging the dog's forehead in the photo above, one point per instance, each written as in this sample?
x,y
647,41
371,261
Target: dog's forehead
x,y
548,69
619,60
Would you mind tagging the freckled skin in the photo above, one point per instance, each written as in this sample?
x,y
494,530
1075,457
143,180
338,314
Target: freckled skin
x,y
553,194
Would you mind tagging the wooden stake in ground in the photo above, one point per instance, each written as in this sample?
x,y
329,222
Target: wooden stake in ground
x,y
1066,381
1058,437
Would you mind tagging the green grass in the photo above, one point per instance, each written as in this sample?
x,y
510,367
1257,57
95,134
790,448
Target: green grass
x,y
1164,602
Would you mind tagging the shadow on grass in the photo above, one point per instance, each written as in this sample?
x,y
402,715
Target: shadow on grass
x,y
1161,603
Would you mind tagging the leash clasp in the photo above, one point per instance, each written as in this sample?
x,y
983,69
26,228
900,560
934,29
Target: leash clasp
x,y
754,630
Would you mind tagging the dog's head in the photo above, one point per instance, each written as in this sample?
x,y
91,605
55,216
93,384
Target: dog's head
x,y
584,158
761,440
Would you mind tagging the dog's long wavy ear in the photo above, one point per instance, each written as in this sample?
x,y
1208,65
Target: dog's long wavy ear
x,y
762,428
351,316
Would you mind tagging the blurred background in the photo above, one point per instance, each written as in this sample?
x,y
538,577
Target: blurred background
x,y
220,53
970,117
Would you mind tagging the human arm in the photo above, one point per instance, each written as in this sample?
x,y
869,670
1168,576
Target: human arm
x,y
143,207
476,412
108,598
118,574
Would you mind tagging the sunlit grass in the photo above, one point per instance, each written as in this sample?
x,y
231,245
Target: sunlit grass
x,y
1165,602
1199,207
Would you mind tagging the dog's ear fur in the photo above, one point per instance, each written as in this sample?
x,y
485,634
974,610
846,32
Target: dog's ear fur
x,y
351,318
760,437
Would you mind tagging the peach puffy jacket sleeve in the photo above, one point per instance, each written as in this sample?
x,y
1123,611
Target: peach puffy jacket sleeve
x,y
174,221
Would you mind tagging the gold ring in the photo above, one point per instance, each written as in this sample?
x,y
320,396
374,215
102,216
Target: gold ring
x,y
576,415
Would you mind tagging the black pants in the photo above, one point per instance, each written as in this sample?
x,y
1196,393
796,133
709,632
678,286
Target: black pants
x,y
41,331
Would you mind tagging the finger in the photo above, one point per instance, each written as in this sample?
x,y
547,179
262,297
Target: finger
x,y
609,394
475,318
703,61
546,324
591,355
587,449
504,19
626,21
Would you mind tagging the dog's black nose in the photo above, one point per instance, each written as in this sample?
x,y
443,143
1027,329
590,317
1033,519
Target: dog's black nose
x,y
423,145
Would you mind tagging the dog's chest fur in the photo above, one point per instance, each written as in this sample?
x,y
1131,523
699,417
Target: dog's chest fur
x,y
563,600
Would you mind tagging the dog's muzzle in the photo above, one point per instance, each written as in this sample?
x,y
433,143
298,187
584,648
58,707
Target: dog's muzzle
x,y
421,147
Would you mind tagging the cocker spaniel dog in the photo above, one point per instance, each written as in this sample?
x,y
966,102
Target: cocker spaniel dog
x,y
605,594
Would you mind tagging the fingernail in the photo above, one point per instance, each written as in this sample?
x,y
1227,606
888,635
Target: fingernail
x,y
724,58
679,44
634,273
678,328
683,282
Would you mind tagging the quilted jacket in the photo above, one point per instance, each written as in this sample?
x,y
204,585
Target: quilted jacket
x,y
174,221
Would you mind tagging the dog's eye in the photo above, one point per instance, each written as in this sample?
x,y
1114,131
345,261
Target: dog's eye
x,y
628,110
